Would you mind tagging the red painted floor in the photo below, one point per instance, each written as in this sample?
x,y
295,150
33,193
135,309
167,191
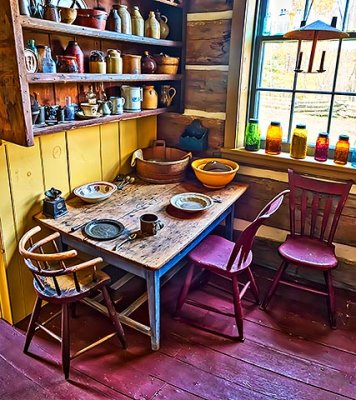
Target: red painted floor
x,y
289,353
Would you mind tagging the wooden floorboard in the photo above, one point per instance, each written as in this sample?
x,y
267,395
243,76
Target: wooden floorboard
x,y
289,353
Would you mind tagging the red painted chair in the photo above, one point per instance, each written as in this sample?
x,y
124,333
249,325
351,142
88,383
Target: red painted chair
x,y
223,257
315,207
60,279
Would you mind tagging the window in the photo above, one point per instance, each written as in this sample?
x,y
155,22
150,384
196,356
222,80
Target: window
x,y
323,101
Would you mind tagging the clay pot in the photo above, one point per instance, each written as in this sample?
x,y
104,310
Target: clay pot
x,y
148,64
131,64
91,18
125,16
166,64
150,98
113,22
68,15
114,62
152,27
74,50
67,64
138,23
164,28
97,64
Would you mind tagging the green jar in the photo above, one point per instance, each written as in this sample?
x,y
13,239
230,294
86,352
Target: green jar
x,y
252,135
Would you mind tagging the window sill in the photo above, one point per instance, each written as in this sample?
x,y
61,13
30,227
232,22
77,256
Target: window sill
x,y
283,161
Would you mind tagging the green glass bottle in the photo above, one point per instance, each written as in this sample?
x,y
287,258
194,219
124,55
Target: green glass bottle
x,y
252,135
31,44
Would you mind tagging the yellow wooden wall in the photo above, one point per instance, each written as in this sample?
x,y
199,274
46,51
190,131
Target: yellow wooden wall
x,y
63,160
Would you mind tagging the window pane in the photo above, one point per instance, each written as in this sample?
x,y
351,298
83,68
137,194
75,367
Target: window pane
x,y
278,63
274,106
326,10
312,110
351,17
283,16
318,81
346,79
343,119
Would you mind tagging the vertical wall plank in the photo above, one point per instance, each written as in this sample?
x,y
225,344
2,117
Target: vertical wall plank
x,y
83,146
128,143
146,131
8,239
110,151
54,161
26,180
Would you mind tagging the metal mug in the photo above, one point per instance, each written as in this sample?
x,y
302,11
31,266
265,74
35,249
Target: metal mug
x,y
150,224
117,104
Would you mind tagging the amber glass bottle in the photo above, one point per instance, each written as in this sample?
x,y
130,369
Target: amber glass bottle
x,y
342,150
299,145
274,138
322,147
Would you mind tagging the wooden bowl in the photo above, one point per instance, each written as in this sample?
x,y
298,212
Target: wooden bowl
x,y
68,15
214,179
95,192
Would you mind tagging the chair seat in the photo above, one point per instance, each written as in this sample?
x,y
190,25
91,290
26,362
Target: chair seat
x,y
88,281
214,252
309,252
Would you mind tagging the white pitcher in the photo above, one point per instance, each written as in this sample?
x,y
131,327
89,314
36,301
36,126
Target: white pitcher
x,y
133,96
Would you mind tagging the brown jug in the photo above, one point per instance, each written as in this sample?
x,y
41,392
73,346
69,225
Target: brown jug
x,y
51,12
164,28
148,64
150,98
166,97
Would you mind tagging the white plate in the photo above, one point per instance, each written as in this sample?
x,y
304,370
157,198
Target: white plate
x,y
95,192
191,202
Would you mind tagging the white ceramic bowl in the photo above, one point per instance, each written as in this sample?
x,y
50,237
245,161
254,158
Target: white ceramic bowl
x,y
95,192
191,202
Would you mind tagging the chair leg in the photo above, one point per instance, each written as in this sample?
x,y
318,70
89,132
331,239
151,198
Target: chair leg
x,y
331,298
185,288
113,316
274,285
253,286
238,308
65,340
32,325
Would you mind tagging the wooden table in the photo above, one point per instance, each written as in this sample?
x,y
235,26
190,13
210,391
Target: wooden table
x,y
155,258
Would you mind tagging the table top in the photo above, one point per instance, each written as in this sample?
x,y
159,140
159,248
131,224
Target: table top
x,y
126,206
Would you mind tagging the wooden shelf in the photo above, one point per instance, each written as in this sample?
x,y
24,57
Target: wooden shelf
x,y
70,125
169,3
66,78
76,30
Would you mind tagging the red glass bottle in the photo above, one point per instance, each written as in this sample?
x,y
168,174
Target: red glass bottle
x,y
322,147
342,150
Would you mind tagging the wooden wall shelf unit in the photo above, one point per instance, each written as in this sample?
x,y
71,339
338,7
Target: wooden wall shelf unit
x,y
16,85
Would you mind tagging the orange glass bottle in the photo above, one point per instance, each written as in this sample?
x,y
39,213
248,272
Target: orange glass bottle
x,y
274,138
342,150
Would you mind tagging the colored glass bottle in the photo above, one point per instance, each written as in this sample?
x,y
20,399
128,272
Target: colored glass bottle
x,y
274,138
342,150
322,147
353,156
252,135
48,64
299,145
31,45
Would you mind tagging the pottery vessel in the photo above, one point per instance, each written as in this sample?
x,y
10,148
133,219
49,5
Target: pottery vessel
x,y
67,64
114,62
125,16
163,24
138,23
131,64
97,63
166,96
91,18
68,15
113,22
133,98
150,98
89,109
166,64
152,27
117,105
105,107
148,64
51,12
74,50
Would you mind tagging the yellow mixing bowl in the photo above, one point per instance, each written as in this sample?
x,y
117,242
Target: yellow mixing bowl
x,y
214,179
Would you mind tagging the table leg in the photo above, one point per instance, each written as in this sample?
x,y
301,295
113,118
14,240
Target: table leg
x,y
153,291
229,224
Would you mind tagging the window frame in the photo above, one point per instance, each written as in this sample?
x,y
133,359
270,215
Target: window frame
x,y
256,70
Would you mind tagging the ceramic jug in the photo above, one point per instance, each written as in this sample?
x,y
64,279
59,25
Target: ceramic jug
x,y
125,16
105,107
133,97
148,64
163,23
166,97
114,62
152,26
117,105
138,23
150,98
51,12
74,50
113,23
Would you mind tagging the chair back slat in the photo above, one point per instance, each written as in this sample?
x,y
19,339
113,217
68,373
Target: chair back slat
x,y
56,285
320,203
76,282
244,243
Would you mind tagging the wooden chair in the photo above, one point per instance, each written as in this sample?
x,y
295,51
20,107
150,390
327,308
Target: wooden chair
x,y
315,207
59,279
223,257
